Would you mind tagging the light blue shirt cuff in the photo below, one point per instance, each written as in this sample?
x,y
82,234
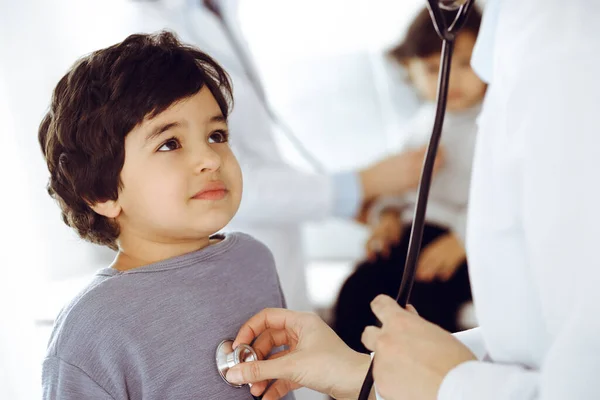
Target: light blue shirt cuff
x,y
347,194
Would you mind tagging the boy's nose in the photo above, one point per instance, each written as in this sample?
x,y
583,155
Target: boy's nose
x,y
207,160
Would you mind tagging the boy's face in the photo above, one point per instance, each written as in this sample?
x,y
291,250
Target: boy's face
x,y
180,178
465,90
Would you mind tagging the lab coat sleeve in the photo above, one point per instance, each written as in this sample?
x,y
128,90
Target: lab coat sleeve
x,y
473,339
553,111
275,192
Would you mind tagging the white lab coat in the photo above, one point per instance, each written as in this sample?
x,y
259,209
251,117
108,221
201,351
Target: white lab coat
x,y
277,198
534,218
534,212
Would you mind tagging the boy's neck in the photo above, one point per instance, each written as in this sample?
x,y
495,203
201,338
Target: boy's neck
x,y
137,253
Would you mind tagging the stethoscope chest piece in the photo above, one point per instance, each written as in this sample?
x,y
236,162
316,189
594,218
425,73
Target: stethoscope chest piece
x,y
227,358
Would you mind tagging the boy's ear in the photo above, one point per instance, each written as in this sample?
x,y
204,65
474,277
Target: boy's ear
x,y
109,208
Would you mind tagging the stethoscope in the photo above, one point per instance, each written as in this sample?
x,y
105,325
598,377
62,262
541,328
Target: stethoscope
x,y
439,11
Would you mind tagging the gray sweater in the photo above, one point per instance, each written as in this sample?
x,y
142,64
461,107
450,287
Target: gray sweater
x,y
150,333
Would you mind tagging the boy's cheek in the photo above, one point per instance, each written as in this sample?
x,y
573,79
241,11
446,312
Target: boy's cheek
x,y
236,180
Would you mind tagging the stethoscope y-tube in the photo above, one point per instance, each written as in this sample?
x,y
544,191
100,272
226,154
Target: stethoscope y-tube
x,y
448,34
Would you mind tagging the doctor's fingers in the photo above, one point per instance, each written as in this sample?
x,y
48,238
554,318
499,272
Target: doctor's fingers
x,y
259,388
259,371
388,311
276,318
370,337
381,340
271,339
279,389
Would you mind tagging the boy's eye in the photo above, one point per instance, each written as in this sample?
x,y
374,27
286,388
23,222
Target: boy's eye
x,y
170,145
218,137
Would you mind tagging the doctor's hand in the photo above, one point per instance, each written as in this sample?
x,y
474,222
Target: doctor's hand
x,y
396,174
317,358
412,355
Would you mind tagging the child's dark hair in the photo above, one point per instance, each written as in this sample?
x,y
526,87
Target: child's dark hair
x,y
102,98
422,40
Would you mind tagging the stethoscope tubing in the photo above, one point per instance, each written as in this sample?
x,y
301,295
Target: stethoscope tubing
x,y
447,34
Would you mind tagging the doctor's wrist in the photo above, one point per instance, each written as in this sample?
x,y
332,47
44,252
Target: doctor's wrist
x,y
355,375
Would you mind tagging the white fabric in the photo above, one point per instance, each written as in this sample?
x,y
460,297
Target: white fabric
x,y
534,217
482,58
473,340
449,193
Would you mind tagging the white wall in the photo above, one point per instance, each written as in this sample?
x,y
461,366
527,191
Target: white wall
x,y
21,256
39,40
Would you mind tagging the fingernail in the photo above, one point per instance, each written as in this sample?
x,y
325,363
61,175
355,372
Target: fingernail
x,y
234,376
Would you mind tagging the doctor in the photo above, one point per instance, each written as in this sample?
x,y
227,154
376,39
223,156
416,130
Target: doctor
x,y
277,197
533,232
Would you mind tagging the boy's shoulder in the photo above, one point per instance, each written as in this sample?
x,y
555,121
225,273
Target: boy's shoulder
x,y
246,242
82,321
247,256
242,246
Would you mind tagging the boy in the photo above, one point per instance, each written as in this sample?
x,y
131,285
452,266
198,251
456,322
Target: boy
x,y
136,143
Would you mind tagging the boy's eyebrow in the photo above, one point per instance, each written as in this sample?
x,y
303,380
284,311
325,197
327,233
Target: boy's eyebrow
x,y
164,127
218,118
160,129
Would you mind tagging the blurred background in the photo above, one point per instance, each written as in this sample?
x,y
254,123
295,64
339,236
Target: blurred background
x,y
323,66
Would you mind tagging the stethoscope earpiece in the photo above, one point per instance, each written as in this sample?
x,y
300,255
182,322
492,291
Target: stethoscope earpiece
x,y
227,358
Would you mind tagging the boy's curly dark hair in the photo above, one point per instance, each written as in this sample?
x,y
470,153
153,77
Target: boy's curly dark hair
x,y
102,98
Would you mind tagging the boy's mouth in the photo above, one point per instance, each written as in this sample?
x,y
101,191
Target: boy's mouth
x,y
215,190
